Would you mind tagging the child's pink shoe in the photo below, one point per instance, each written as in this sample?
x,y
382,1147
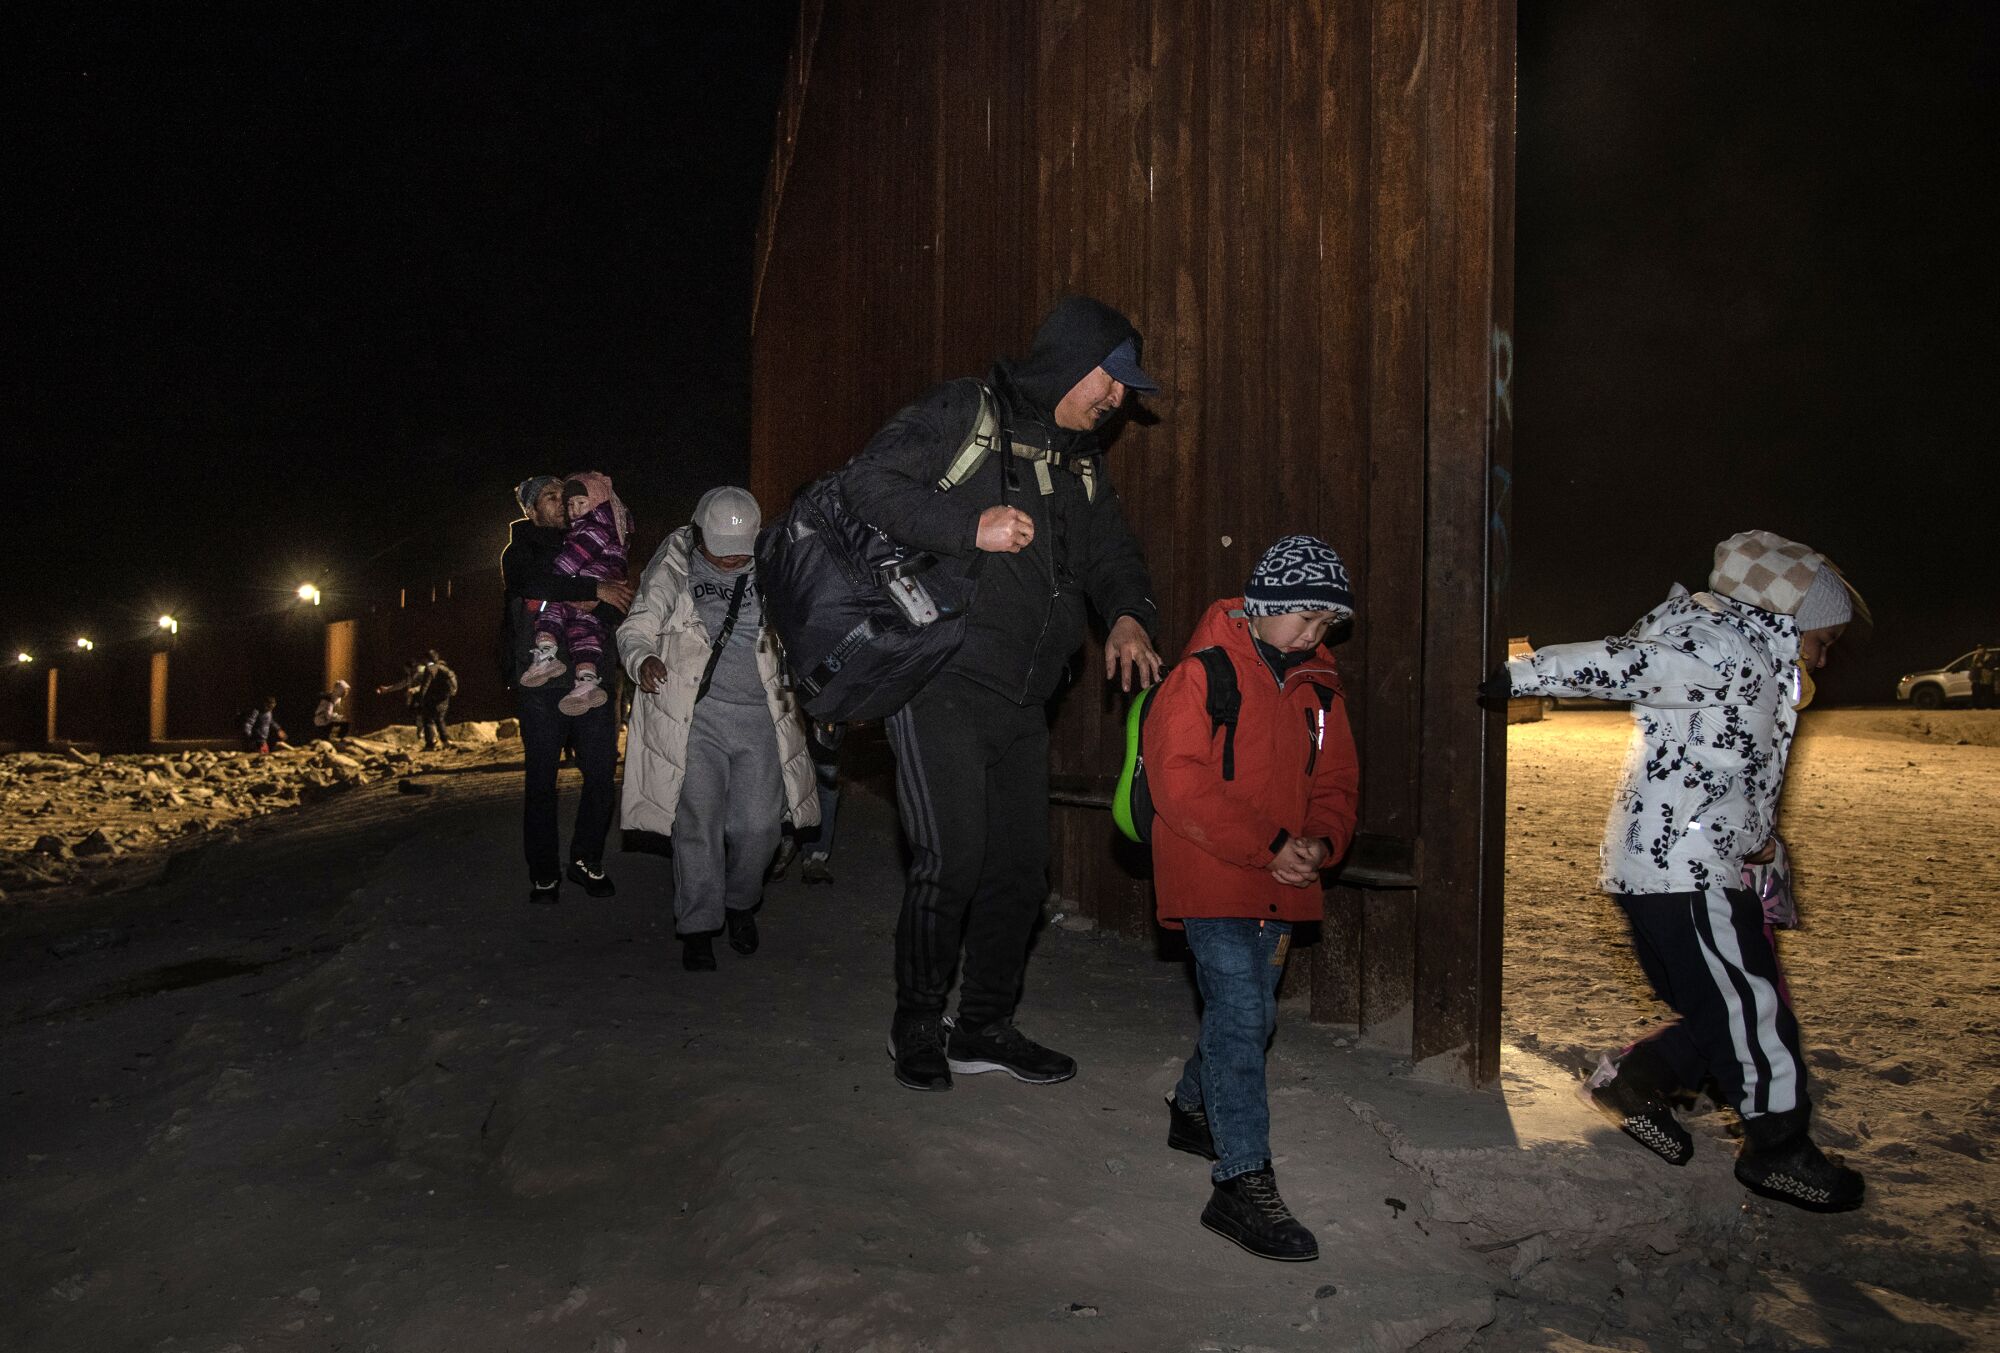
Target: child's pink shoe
x,y
585,695
545,668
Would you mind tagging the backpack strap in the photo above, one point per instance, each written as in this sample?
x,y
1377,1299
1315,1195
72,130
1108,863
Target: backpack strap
x,y
988,434
1225,703
722,640
980,440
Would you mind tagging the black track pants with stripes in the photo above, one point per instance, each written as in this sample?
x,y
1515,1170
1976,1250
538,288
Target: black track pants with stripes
x,y
1708,955
972,784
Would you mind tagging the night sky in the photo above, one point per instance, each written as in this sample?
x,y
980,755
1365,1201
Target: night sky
x,y
304,299
1755,287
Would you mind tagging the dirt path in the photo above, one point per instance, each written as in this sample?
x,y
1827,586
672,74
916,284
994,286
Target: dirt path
x,y
334,1085
344,1089
1895,974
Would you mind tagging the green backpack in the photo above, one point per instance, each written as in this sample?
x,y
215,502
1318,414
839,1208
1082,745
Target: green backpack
x,y
1132,801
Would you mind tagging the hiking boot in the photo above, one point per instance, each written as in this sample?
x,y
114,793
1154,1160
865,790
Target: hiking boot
x,y
1641,1113
1799,1173
585,695
916,1042
1187,1130
1248,1211
698,953
545,668
816,870
788,850
544,894
1001,1047
742,930
596,883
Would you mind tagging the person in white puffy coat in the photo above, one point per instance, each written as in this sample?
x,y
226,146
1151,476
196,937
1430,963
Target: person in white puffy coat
x,y
715,755
1715,680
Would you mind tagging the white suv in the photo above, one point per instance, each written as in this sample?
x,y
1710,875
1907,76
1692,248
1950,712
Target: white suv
x,y
1933,689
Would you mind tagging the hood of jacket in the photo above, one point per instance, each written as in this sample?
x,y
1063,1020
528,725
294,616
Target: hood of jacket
x,y
600,501
1077,334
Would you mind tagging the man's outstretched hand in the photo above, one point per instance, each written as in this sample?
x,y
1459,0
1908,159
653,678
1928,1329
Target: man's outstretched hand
x,y
1129,652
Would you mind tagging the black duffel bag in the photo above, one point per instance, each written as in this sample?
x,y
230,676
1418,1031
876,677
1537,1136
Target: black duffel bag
x,y
865,621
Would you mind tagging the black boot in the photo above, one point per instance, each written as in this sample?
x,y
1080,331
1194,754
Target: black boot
x,y
698,953
596,883
916,1042
742,930
1248,1210
1187,1130
1779,1161
1628,1092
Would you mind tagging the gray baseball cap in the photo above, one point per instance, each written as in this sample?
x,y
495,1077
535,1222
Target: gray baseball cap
x,y
728,518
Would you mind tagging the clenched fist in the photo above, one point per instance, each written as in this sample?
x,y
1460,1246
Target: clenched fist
x,y
1005,530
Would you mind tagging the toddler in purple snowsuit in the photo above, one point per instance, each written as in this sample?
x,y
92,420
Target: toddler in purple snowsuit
x,y
593,548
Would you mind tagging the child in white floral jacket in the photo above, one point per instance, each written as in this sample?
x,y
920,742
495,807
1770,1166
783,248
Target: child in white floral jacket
x,y
1715,680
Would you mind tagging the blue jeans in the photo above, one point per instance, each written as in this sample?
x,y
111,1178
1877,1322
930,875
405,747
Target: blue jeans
x,y
1237,964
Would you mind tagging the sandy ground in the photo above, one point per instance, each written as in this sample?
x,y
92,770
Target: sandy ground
x,y
69,816
1894,823
331,1084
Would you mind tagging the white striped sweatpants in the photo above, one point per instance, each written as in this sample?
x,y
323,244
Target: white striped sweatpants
x,y
1710,957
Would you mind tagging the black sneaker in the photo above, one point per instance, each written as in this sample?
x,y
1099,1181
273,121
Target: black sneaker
x,y
1640,1113
1001,1047
1799,1173
545,894
916,1042
596,883
816,870
1187,1130
698,953
788,850
1248,1210
742,930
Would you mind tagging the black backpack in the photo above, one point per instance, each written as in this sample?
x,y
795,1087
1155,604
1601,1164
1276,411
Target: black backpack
x,y
1132,801
825,576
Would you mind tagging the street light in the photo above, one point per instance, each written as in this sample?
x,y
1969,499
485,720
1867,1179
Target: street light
x,y
24,657
170,625
307,592
85,644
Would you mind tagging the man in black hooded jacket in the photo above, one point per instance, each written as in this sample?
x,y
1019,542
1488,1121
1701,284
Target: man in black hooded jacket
x,y
1039,528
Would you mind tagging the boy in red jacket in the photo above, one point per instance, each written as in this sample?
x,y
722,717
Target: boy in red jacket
x,y
1246,820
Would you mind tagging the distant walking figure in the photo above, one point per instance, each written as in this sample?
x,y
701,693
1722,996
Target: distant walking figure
x,y
261,729
330,716
436,685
